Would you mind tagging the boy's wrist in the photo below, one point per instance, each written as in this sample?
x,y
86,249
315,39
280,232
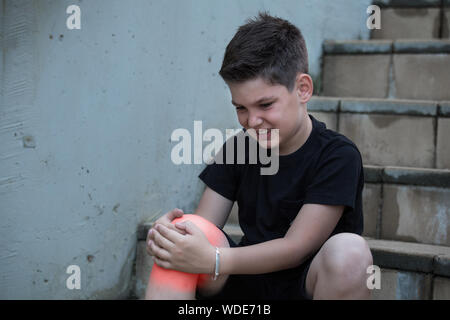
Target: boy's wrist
x,y
211,264
216,264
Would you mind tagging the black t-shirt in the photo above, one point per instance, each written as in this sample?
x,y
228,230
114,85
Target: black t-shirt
x,y
326,169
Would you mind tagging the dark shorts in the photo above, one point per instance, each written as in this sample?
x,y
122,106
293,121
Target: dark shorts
x,y
282,285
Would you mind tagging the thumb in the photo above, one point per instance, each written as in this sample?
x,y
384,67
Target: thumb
x,y
175,213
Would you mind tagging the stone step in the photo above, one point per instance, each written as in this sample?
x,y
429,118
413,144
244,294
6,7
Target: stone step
x,y
418,19
390,132
407,204
408,3
404,204
402,69
386,46
408,270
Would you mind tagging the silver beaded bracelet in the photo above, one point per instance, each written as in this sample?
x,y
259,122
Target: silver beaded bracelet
x,y
216,270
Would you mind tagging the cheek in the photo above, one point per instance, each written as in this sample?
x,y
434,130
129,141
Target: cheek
x,y
242,119
278,119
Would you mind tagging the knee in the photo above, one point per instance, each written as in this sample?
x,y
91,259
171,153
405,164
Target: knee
x,y
214,234
347,256
217,238
181,281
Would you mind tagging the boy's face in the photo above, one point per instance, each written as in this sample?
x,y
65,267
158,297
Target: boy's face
x,y
260,105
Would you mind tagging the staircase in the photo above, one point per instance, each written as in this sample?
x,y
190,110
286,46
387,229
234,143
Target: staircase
x,y
391,96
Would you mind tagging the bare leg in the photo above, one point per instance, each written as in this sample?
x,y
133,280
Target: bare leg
x,y
338,271
167,284
157,290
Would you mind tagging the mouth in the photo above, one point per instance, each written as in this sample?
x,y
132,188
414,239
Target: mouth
x,y
263,134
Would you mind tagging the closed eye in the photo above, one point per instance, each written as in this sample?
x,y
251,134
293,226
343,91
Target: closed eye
x,y
262,105
266,105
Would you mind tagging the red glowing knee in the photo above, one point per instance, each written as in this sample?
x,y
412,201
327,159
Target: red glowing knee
x,y
213,233
173,279
182,281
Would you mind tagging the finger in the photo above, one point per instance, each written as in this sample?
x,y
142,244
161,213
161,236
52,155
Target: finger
x,y
175,228
148,249
162,263
159,252
175,213
152,249
149,234
150,240
181,227
167,225
163,242
169,216
171,226
191,227
169,234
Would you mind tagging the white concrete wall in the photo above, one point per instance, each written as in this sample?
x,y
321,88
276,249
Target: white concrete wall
x,y
86,118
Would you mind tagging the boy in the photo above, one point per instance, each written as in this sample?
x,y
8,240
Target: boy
x,y
302,225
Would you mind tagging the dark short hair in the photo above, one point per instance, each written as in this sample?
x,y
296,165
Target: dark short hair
x,y
267,47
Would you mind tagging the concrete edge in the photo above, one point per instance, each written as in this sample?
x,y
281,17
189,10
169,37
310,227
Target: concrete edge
x,y
389,106
407,3
413,46
444,108
357,47
373,174
442,265
411,256
379,106
399,260
325,104
416,176
421,46
142,230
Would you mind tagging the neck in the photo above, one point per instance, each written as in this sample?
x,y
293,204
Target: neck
x,y
299,139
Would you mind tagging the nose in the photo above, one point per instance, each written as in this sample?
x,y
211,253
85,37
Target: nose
x,y
254,119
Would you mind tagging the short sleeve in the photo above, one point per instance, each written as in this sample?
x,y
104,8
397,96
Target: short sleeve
x,y
337,177
221,177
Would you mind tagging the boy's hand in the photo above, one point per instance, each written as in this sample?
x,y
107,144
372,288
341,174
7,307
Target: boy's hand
x,y
190,252
165,220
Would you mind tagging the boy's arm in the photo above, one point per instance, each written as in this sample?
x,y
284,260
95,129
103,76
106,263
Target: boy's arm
x,y
308,232
194,254
214,207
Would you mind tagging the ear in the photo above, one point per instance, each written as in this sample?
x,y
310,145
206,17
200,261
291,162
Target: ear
x,y
304,87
